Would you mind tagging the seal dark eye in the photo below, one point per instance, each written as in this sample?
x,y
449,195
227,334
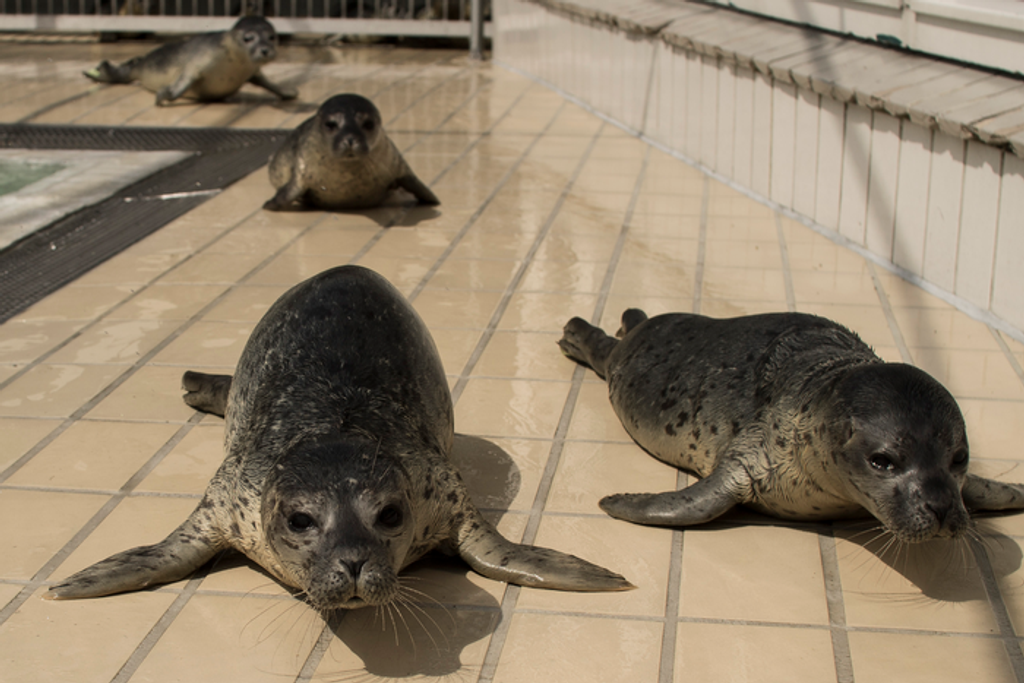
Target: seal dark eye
x,y
249,37
369,125
882,463
390,517
331,124
960,458
300,522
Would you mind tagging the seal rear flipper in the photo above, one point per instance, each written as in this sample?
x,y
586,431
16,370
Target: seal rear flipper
x,y
701,502
105,72
206,393
492,555
987,494
586,344
174,558
631,317
414,186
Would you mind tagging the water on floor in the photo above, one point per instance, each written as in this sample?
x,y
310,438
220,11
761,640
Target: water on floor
x,y
547,212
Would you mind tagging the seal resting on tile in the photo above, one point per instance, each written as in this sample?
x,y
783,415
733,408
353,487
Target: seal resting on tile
x,y
341,158
206,67
789,414
338,430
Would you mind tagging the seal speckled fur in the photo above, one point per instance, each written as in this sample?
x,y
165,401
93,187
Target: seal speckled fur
x,y
206,67
789,414
341,158
337,473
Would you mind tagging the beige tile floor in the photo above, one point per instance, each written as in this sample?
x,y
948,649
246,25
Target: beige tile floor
x,y
547,212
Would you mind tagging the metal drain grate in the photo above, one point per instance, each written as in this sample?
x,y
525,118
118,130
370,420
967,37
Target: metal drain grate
x,y
55,255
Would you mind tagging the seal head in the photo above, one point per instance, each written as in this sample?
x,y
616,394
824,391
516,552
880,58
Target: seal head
x,y
900,441
340,522
258,37
350,125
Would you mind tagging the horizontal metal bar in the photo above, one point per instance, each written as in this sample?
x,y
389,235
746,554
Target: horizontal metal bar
x,y
87,23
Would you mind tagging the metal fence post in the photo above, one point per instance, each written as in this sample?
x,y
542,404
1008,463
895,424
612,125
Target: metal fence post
x,y
476,29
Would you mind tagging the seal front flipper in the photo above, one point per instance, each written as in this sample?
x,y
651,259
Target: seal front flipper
x,y
188,78
987,494
283,91
414,186
285,197
177,556
492,555
701,502
105,72
206,393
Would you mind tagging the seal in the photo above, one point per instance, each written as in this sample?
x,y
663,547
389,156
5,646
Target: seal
x,y
789,414
338,430
341,158
207,67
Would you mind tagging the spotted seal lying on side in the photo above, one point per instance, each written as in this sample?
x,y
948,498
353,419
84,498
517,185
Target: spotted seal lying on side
x,y
206,67
789,414
341,158
338,429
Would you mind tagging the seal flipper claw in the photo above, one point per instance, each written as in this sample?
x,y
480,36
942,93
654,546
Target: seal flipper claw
x,y
987,494
492,555
181,553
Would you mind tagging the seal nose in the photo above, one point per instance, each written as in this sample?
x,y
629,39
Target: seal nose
x,y
353,567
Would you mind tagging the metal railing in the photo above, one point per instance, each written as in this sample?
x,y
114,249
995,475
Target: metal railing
x,y
426,18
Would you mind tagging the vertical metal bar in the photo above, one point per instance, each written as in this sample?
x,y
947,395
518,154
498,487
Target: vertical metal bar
x,y
476,30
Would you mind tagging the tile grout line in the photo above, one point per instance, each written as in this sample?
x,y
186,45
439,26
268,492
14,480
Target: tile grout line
x,y
999,611
787,273
702,240
890,317
673,598
461,234
142,650
1010,358
513,285
97,518
510,598
841,655
403,211
620,244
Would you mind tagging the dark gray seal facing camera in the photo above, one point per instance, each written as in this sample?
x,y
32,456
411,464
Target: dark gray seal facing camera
x,y
206,67
338,430
789,414
341,158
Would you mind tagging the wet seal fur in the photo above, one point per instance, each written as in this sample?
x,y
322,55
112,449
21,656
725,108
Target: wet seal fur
x,y
341,158
338,429
206,67
789,414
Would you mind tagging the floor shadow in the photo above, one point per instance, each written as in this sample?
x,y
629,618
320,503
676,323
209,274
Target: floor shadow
x,y
943,569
